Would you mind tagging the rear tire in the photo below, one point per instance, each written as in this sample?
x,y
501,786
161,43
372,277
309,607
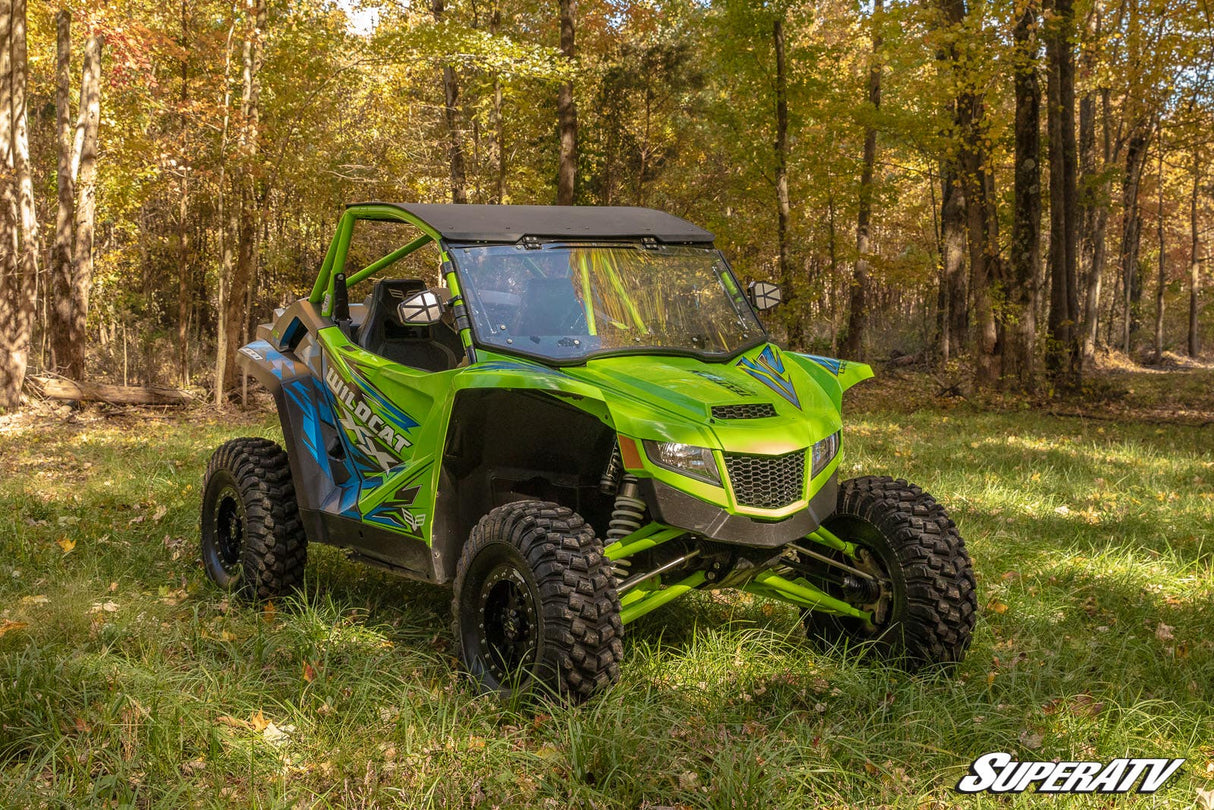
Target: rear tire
x,y
253,544
535,604
926,608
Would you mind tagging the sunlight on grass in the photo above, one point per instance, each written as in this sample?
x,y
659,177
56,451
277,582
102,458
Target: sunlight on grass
x,y
126,678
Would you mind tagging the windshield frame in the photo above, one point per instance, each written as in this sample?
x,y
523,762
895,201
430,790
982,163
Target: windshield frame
x,y
449,249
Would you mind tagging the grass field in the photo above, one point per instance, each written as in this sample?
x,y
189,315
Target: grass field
x,y
127,679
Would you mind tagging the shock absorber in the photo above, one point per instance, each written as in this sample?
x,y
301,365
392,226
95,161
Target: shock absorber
x,y
626,518
629,512
610,481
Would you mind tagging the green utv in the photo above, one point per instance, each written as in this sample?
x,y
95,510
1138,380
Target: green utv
x,y
584,421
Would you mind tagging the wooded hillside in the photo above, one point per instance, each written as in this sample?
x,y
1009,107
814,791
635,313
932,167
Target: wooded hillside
x,y
1009,188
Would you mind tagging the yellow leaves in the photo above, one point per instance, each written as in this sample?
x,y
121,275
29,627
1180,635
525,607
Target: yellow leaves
x,y
37,599
259,724
997,607
66,544
8,625
258,721
171,596
309,672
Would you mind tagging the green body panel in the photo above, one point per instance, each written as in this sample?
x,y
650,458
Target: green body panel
x,y
644,398
393,421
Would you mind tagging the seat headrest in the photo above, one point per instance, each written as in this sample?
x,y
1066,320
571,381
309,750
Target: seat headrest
x,y
388,293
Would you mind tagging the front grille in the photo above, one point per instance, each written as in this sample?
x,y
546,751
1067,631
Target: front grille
x,y
767,482
745,410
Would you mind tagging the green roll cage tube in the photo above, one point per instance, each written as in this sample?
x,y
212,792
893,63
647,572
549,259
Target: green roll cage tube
x,y
645,592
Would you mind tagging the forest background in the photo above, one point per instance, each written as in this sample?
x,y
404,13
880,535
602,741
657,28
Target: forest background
x,y
1009,190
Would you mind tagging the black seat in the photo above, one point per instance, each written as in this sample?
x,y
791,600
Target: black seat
x,y
430,348
550,307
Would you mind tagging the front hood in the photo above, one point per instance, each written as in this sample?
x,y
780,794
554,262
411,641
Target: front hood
x,y
671,399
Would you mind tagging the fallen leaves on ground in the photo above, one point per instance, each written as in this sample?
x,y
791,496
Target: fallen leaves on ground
x,y
66,544
7,625
171,596
1031,739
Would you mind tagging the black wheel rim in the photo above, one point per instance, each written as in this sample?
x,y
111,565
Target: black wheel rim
x,y
229,530
508,631
879,598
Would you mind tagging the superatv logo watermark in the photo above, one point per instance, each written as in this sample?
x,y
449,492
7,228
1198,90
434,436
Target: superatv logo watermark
x,y
999,773
362,412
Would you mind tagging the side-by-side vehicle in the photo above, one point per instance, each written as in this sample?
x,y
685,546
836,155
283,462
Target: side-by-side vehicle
x,y
582,421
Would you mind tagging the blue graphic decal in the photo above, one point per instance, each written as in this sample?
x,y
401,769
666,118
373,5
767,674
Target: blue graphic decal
x,y
262,351
397,513
768,368
829,363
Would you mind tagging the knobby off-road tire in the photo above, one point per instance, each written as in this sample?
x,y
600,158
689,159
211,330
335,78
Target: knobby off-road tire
x,y
930,602
253,543
535,606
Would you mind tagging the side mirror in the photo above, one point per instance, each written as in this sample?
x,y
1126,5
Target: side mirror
x,y
764,295
420,309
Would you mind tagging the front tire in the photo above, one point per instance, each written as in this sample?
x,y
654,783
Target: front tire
x,y
535,604
253,544
926,603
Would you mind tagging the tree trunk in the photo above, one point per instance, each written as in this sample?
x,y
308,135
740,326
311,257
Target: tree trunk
x,y
27,256
982,227
1163,266
63,389
953,203
952,239
857,320
228,222
783,206
1194,261
566,109
67,356
498,121
183,207
1021,330
16,280
1131,229
1095,245
244,211
1062,348
451,120
84,159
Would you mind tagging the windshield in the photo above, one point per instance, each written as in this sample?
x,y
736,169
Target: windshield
x,y
564,302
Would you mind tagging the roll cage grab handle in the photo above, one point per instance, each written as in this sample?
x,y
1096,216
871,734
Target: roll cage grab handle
x,y
339,249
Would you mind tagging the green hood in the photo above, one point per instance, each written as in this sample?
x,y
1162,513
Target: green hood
x,y
671,399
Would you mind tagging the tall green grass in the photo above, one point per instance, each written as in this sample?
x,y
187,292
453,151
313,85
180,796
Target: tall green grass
x,y
126,679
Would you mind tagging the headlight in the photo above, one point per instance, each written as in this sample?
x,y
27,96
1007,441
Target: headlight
x,y
824,451
685,459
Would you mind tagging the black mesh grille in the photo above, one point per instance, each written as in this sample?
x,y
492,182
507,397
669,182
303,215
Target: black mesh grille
x,y
767,482
746,410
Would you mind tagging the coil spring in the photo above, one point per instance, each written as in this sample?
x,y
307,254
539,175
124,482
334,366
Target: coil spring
x,y
629,511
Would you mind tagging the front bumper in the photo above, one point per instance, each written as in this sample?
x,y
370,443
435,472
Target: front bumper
x,y
677,509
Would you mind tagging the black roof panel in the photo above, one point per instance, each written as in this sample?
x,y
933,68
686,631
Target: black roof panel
x,y
510,223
